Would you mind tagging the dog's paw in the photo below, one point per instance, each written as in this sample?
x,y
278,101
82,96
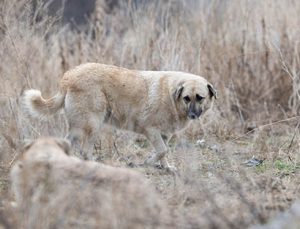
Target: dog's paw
x,y
165,168
171,169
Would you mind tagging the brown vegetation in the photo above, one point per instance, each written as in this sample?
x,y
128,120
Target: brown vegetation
x,y
249,50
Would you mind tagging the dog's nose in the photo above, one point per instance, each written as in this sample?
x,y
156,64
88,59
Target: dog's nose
x,y
192,116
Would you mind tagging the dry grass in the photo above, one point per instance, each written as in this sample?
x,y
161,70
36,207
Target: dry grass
x,y
249,50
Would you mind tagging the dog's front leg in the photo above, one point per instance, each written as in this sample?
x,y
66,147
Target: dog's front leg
x,y
161,150
160,147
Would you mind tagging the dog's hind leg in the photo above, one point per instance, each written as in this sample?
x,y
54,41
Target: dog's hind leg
x,y
74,136
82,142
85,114
84,135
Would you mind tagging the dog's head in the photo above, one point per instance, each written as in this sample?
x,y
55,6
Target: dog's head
x,y
194,97
45,147
41,150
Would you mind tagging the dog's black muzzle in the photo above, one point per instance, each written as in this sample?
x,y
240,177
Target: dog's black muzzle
x,y
193,113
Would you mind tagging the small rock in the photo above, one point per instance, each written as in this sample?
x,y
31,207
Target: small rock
x,y
253,162
215,148
201,142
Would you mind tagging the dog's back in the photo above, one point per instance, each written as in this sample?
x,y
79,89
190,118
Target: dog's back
x,y
70,193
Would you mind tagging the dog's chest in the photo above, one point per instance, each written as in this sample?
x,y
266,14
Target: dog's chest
x,y
169,124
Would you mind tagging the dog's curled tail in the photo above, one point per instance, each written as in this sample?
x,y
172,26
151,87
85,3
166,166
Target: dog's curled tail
x,y
36,106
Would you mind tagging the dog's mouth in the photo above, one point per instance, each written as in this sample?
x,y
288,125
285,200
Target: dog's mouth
x,y
194,114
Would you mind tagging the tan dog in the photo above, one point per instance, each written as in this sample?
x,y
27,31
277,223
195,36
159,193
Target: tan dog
x,y
55,190
147,102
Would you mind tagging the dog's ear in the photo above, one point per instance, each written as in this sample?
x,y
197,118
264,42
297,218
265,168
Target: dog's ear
x,y
64,144
178,92
27,145
212,91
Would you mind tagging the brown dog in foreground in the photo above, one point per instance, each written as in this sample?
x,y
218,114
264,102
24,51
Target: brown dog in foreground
x,y
151,103
55,190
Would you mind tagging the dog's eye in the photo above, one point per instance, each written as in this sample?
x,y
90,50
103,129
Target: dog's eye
x,y
186,99
199,98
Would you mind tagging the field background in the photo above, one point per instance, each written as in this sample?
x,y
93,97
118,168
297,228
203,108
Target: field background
x,y
249,51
